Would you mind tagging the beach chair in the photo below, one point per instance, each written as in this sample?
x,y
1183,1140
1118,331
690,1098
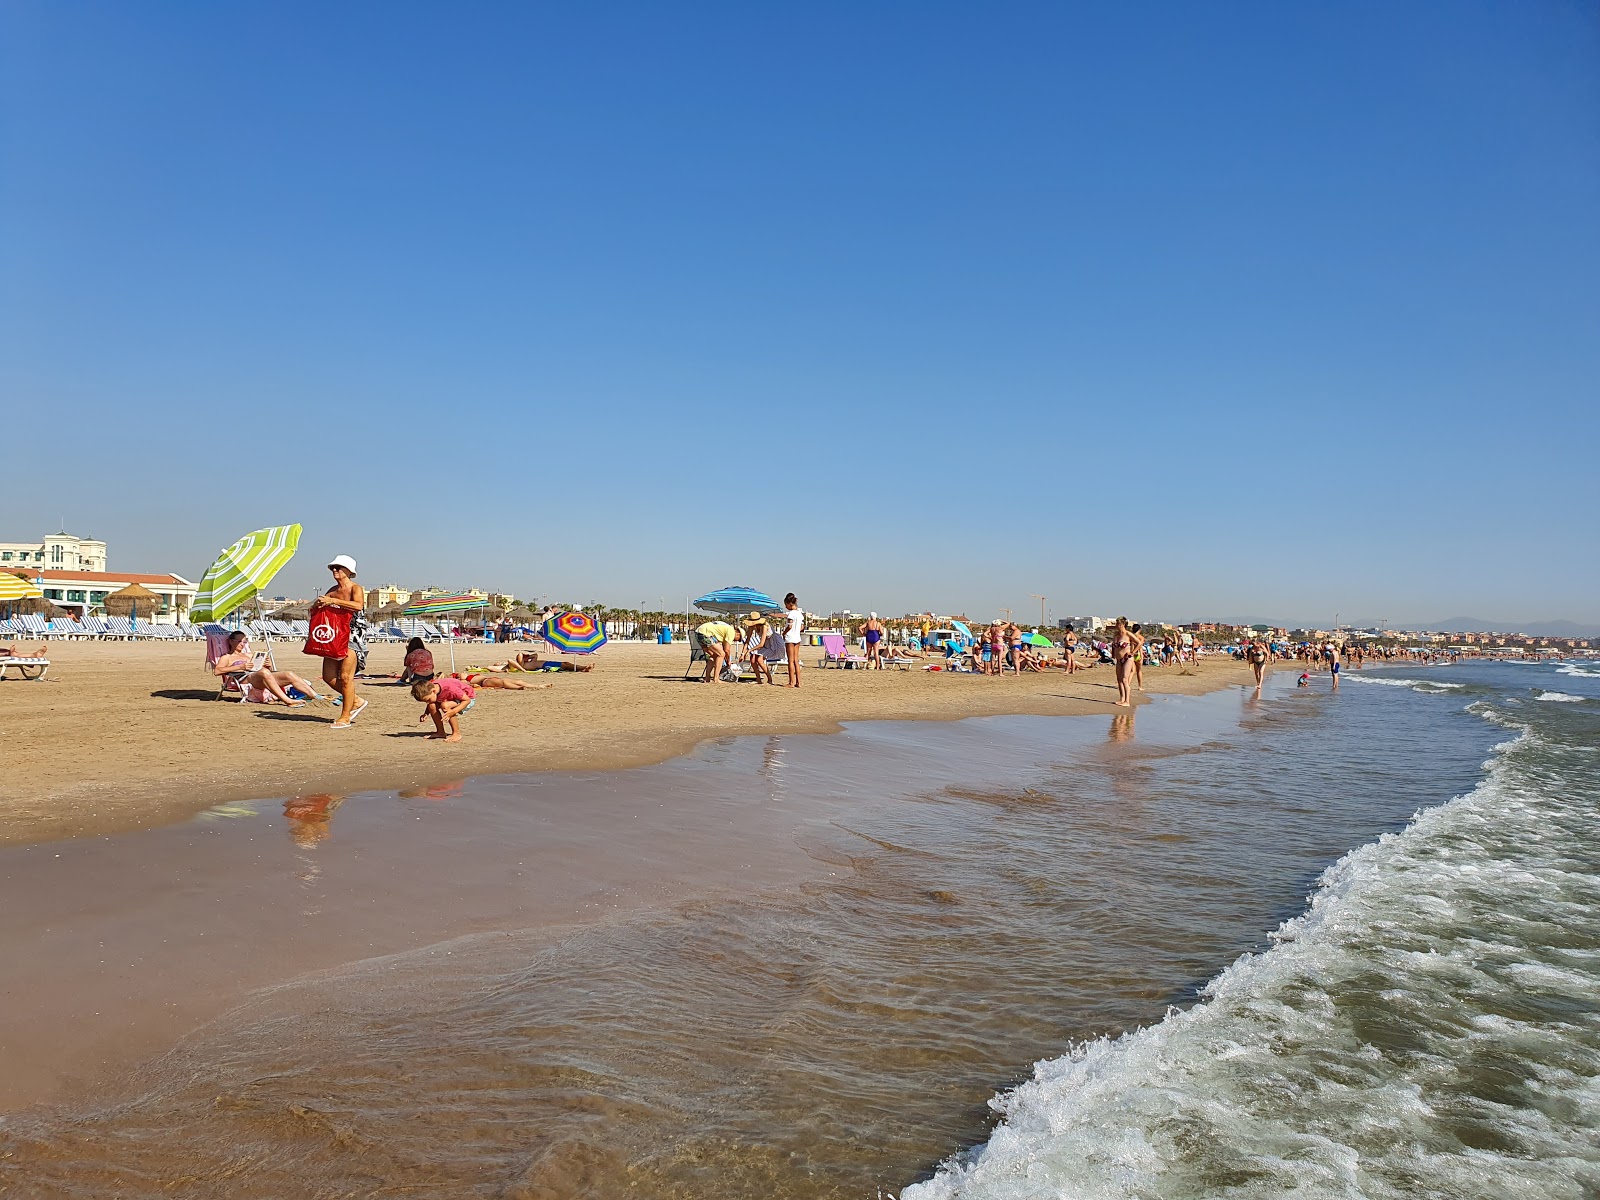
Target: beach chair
x,y
22,666
31,625
697,653
835,653
119,627
231,685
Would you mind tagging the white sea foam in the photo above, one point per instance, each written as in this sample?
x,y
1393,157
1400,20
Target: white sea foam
x,y
1561,697
1413,684
1395,1041
1577,669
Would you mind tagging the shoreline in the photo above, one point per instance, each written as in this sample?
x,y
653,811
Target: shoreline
x,y
130,736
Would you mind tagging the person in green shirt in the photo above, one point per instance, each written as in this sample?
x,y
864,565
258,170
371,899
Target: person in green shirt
x,y
718,638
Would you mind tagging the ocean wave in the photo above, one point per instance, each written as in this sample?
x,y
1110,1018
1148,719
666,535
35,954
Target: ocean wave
x,y
1413,684
1418,1030
1561,697
1575,669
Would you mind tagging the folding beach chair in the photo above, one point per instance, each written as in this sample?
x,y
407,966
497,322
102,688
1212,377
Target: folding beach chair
x,y
697,653
232,684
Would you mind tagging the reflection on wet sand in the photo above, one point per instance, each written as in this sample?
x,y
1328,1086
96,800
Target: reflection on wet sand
x,y
309,818
1122,727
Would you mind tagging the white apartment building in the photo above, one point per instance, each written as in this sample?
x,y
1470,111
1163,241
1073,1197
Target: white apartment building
x,y
58,552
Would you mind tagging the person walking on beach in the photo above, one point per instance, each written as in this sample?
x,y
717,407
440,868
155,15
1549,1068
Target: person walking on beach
x,y
1257,658
872,633
1138,655
1121,656
1331,653
791,637
1069,649
348,596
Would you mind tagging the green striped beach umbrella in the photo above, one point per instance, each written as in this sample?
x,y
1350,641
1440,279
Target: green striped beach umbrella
x,y
432,606
242,570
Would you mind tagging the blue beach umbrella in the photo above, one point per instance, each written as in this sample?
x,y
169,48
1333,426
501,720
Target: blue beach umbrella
x,y
729,601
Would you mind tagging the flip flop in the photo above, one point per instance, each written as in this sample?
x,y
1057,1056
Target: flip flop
x,y
360,708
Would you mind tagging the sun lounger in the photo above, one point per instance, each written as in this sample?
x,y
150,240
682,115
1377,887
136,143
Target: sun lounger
x,y
836,654
22,666
30,625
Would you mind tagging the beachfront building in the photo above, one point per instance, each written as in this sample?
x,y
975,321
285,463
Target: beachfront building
x,y
71,572
389,593
84,592
58,552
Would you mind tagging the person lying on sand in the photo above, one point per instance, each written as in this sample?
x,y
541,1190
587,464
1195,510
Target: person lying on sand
x,y
258,682
481,680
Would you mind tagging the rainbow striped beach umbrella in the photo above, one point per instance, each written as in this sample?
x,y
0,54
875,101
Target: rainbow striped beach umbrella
x,y
574,632
242,570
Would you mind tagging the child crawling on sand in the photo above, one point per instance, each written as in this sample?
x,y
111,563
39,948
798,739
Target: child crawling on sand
x,y
444,700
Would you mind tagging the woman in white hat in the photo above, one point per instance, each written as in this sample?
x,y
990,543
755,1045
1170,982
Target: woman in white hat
x,y
340,673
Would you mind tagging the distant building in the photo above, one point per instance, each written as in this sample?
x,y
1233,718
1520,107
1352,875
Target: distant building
x,y
86,591
389,593
58,552
71,572
1082,624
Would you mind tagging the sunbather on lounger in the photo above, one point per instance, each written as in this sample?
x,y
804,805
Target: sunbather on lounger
x,y
254,677
39,651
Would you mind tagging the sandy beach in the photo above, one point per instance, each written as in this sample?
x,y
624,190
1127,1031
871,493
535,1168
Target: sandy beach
x,y
129,735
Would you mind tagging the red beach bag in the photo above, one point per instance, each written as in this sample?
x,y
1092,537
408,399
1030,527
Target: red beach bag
x,y
330,633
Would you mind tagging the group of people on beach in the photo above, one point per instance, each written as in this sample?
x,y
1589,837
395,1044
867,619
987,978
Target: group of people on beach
x,y
726,645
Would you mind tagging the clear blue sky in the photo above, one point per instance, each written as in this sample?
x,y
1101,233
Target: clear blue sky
x,y
1181,310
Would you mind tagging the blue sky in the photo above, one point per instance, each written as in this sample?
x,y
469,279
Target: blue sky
x,y
1182,310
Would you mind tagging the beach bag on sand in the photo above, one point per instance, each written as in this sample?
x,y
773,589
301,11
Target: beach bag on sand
x,y
330,633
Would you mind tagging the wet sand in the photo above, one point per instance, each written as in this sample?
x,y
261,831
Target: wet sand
x,y
130,735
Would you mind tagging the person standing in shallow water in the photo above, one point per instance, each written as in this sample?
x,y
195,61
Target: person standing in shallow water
x,y
1122,659
340,674
791,637
1257,657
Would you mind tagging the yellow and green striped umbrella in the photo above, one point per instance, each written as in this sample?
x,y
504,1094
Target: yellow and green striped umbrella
x,y
242,570
14,587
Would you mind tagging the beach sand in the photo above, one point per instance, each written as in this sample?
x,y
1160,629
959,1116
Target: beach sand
x,y
129,735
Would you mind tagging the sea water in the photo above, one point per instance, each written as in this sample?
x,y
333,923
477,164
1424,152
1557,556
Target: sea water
x,y
1312,944
1429,1026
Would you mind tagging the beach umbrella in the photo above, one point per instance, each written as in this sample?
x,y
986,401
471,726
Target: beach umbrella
x,y
15,589
434,606
730,601
574,632
242,570
1038,639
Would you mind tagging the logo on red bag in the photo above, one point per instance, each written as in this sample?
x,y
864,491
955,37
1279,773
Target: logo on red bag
x,y
323,634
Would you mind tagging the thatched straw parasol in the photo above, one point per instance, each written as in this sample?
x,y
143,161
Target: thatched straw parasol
x,y
391,611
135,600
523,616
